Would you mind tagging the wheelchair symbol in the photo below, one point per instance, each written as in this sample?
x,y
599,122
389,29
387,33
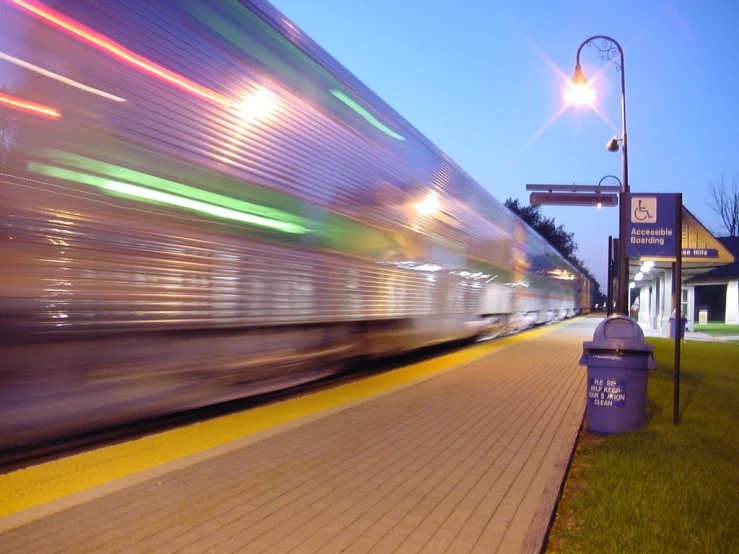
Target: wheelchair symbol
x,y
644,210
641,213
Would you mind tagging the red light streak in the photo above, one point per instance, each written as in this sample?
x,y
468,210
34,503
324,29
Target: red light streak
x,y
119,52
31,107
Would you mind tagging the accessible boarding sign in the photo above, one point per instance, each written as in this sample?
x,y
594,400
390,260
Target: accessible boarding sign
x,y
652,226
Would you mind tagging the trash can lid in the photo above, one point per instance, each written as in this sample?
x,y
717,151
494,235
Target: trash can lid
x,y
618,332
674,313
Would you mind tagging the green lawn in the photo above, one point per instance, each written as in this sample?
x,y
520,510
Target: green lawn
x,y
663,489
717,329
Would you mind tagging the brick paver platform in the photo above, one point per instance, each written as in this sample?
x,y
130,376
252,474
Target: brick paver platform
x,y
468,461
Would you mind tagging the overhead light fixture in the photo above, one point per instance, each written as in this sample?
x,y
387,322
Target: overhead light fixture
x,y
257,104
429,205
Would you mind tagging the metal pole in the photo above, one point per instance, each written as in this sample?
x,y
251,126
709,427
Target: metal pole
x,y
623,268
611,50
609,284
677,280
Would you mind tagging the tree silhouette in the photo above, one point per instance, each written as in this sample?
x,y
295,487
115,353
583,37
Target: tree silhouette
x,y
723,199
557,236
8,129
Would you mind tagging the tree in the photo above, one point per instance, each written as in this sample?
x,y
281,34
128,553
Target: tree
x,y
8,130
556,235
724,201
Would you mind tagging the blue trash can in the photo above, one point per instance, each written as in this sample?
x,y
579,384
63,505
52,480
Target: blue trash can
x,y
617,360
683,321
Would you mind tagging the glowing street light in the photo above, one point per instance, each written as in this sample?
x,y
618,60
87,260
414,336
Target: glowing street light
x,y
580,92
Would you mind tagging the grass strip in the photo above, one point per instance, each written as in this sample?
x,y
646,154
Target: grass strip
x,y
718,329
665,488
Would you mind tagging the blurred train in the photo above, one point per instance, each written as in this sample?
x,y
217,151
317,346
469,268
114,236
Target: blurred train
x,y
198,203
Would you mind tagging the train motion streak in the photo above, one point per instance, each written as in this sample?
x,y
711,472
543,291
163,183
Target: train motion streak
x,y
199,203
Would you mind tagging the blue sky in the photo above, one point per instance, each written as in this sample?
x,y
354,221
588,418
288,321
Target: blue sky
x,y
481,79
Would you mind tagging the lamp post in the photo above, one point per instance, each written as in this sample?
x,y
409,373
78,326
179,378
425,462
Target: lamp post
x,y
580,92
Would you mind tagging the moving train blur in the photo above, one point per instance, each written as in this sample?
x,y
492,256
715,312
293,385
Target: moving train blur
x,y
198,203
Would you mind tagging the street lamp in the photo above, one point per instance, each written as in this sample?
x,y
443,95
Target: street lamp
x,y
580,92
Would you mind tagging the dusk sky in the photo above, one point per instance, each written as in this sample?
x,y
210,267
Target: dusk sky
x,y
482,80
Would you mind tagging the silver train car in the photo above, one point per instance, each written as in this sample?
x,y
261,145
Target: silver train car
x,y
198,203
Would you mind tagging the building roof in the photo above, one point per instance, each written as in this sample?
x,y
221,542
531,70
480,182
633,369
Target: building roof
x,y
725,272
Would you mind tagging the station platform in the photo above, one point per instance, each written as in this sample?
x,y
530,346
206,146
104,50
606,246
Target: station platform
x,y
463,453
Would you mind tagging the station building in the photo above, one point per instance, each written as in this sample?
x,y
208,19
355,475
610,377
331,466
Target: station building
x,y
706,260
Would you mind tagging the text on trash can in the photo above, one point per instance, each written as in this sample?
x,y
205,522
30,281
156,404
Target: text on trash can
x,y
607,392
